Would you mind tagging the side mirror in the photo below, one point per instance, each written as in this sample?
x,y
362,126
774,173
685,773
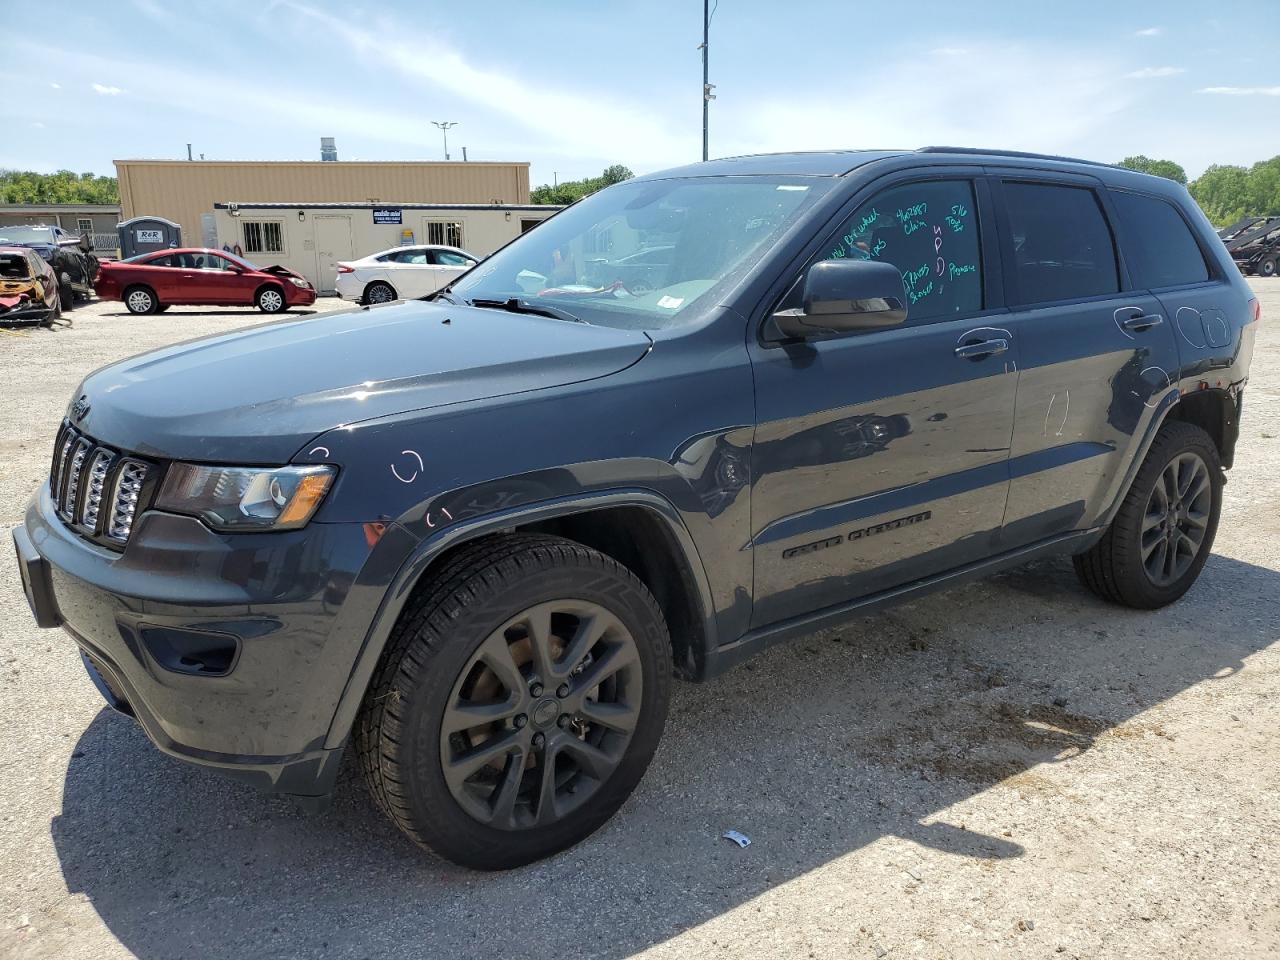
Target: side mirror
x,y
845,295
234,269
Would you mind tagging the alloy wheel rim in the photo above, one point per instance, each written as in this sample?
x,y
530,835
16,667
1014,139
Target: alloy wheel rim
x,y
140,301
380,294
271,300
1176,519
541,715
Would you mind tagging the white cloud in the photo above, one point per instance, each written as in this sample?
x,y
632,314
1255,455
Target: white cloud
x,y
581,121
1243,91
1067,110
56,86
1149,32
106,91
37,124
949,51
1149,73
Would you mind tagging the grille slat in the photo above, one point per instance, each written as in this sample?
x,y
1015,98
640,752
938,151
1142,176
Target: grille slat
x,y
99,466
94,488
83,446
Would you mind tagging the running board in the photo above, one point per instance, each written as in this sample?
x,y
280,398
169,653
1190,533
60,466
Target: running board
x,y
729,655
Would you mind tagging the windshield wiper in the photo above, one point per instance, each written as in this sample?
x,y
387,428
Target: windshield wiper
x,y
444,294
516,305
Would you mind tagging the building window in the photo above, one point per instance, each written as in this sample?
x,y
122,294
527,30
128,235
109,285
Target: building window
x,y
84,225
599,239
444,233
263,236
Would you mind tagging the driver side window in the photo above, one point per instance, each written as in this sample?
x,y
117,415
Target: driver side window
x,y
929,231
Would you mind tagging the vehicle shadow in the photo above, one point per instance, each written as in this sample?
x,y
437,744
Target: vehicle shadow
x,y
813,750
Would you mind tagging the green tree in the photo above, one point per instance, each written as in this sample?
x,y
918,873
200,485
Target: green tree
x,y
27,186
1160,168
570,191
1223,194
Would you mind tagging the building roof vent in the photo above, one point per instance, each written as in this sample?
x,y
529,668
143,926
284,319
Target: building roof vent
x,y
328,149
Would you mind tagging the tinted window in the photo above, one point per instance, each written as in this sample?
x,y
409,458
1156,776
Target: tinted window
x,y
1062,246
1158,244
163,261
929,231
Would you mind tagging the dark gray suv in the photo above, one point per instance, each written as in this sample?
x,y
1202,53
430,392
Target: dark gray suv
x,y
471,541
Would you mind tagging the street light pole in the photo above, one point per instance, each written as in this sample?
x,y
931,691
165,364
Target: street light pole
x,y
444,126
706,87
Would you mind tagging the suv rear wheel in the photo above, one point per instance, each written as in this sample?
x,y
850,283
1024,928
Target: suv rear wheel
x,y
1161,537
521,698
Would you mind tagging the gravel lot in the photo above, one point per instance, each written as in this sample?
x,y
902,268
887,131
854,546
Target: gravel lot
x,y
1010,769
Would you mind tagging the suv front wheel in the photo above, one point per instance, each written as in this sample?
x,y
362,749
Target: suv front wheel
x,y
520,700
1160,538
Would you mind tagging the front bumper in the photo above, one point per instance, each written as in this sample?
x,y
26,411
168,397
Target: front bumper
x,y
296,606
300,296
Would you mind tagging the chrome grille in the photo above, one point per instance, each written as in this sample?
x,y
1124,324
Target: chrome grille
x,y
92,507
83,447
94,488
124,500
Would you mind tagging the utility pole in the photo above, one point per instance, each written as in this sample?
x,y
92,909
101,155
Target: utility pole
x,y
444,126
707,95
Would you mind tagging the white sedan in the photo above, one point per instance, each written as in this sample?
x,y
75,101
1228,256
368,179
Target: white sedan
x,y
401,273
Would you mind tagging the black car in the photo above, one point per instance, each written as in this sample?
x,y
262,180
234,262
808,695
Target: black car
x,y
68,254
472,541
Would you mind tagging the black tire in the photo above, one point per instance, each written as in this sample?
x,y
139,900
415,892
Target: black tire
x,y
1115,568
55,314
475,600
1267,268
270,299
379,292
66,293
162,307
140,300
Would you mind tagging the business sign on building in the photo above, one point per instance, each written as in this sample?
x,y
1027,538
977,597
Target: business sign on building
x,y
387,215
150,236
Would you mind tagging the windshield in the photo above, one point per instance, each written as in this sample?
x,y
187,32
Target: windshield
x,y
646,254
27,235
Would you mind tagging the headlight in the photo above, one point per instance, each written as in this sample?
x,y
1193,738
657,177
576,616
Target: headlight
x,y
245,498
298,282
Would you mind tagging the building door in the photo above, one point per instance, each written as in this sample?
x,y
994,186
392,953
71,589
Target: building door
x,y
333,243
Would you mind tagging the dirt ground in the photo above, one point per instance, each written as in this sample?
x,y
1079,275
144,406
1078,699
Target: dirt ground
x,y
1010,769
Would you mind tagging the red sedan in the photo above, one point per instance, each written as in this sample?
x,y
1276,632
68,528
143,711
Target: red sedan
x,y
153,282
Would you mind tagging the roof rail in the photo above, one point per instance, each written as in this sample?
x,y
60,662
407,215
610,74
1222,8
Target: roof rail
x,y
1012,153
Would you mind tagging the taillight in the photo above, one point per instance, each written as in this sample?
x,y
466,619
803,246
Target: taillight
x,y
343,268
1257,309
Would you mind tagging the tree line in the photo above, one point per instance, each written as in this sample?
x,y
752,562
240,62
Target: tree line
x,y
1225,192
65,186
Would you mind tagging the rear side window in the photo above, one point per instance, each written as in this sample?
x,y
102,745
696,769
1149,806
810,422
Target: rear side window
x,y
1158,245
929,231
1061,243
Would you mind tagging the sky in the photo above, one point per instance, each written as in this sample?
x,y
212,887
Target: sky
x,y
573,86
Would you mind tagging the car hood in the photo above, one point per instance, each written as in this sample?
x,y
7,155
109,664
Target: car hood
x,y
258,395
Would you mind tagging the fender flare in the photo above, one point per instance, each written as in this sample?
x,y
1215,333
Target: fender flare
x,y
1142,448
427,551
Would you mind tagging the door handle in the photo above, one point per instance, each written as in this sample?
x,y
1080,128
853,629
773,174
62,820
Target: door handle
x,y
1143,322
982,348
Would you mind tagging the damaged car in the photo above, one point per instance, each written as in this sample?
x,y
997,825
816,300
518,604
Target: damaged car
x,y
153,282
28,288
69,255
